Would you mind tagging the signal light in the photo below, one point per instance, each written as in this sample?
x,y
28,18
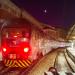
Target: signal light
x,y
4,49
26,49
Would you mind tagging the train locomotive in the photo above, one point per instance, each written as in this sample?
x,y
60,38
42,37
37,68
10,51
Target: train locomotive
x,y
15,43
22,43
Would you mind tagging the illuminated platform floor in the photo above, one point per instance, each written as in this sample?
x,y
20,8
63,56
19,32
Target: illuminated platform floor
x,y
58,58
44,64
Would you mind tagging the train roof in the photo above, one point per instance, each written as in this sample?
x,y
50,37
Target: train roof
x,y
17,22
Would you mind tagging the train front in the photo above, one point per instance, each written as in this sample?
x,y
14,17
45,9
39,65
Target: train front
x,y
16,47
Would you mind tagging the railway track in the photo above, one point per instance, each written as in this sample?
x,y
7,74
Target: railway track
x,y
65,62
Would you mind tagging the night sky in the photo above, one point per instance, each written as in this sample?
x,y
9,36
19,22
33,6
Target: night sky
x,y
58,13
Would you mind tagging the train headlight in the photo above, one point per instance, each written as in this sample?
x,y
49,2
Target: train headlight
x,y
26,49
4,49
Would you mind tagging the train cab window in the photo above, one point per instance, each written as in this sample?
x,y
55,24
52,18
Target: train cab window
x,y
25,34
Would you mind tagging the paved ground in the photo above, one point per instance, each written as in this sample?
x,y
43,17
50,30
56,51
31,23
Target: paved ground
x,y
58,58
44,64
61,63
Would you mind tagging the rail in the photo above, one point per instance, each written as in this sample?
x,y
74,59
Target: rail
x,y
71,56
68,63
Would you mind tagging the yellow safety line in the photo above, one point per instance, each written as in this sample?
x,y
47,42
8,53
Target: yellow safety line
x,y
22,63
25,62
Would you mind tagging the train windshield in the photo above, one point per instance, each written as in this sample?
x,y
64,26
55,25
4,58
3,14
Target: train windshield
x,y
13,36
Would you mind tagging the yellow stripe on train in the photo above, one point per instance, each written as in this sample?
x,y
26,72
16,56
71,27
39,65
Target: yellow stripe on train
x,y
25,62
28,61
7,62
10,62
17,63
22,63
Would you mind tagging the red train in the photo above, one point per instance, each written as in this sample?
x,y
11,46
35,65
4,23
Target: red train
x,y
22,43
15,43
